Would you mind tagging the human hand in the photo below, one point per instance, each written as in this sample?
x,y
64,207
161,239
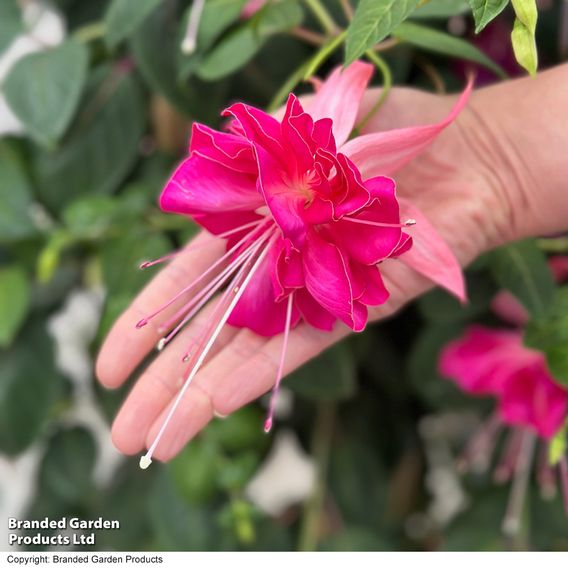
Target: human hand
x,y
452,183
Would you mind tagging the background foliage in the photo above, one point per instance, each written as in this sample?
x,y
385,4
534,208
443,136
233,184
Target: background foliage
x,y
104,117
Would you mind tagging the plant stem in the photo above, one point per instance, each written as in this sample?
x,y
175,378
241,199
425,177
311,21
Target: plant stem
x,y
382,66
322,16
325,51
322,438
347,9
308,36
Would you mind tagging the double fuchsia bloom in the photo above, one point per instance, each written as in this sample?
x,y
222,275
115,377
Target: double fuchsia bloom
x,y
486,362
305,229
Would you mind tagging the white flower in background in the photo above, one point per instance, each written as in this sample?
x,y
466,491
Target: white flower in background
x,y
285,478
73,329
44,28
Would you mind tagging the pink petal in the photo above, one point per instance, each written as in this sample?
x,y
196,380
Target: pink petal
x,y
430,255
367,280
531,398
258,126
312,312
383,153
328,280
285,203
367,243
482,359
509,309
258,309
340,96
229,150
202,186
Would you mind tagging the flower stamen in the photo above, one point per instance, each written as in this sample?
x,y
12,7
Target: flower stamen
x,y
280,372
209,339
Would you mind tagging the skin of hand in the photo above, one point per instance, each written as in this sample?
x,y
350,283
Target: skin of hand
x,y
492,176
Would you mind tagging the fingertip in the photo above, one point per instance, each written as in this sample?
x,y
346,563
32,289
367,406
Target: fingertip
x,y
124,442
191,416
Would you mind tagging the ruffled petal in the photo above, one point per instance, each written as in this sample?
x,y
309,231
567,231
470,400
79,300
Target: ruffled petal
x,y
367,280
327,279
257,309
259,127
285,203
430,255
314,314
229,150
364,241
340,96
383,153
201,186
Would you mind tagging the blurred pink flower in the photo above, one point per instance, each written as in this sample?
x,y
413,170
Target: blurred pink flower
x,y
252,7
489,362
493,362
307,214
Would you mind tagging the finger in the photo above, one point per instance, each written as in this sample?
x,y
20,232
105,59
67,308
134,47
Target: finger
x,y
242,371
160,383
246,369
126,346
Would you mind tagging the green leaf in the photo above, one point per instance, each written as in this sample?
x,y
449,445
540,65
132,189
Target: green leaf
x,y
216,17
484,11
11,24
15,197
43,89
195,470
14,302
440,9
29,384
124,16
521,268
177,526
101,148
446,44
373,21
240,46
330,376
549,334
155,46
231,54
523,34
67,468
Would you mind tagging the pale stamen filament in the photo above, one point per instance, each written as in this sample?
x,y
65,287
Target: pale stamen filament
x,y
512,521
197,246
196,303
189,42
237,290
233,249
276,390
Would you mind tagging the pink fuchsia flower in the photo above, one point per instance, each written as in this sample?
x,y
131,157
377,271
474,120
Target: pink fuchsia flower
x,y
495,363
308,216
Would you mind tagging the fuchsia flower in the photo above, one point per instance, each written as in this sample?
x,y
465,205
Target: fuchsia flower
x,y
307,214
488,362
496,363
